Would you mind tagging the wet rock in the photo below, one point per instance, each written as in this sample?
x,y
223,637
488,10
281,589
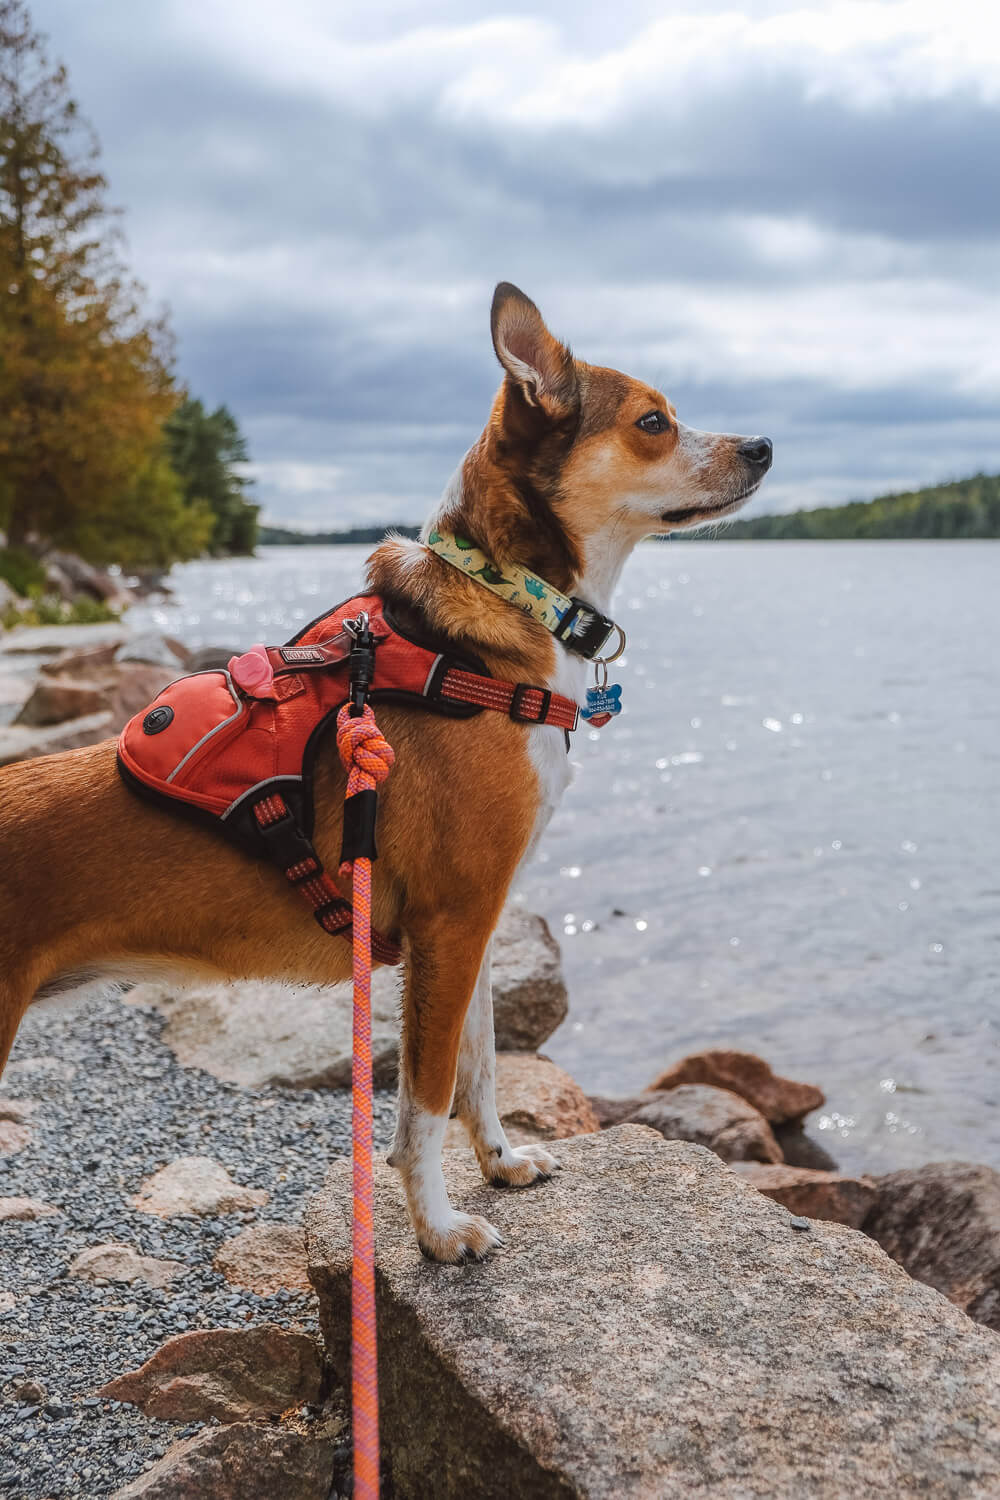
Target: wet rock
x,y
113,1262
617,1111
13,1137
257,1034
711,1117
942,1223
265,1258
241,1462
231,1374
813,1195
22,742
23,1210
529,992
801,1150
654,1327
195,1185
777,1099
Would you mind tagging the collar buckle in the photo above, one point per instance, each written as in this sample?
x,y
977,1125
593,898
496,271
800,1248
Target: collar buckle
x,y
583,629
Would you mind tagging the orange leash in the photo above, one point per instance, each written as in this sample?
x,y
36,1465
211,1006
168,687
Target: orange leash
x,y
368,759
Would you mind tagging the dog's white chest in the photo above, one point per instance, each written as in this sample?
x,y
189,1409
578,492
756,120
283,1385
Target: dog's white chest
x,y
547,746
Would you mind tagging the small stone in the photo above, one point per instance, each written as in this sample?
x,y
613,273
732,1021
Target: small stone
x,y
229,1373
743,1073
266,1258
114,1262
799,1223
25,1209
31,1393
17,1110
195,1185
13,1137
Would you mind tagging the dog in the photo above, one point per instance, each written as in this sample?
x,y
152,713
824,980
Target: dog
x,y
575,466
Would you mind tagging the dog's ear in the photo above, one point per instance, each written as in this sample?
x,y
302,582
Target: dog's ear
x,y
538,366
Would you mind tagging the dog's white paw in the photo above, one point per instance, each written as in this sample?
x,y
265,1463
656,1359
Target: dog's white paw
x,y
464,1237
522,1166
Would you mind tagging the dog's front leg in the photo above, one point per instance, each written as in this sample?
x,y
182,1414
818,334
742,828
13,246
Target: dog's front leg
x,y
502,1164
443,960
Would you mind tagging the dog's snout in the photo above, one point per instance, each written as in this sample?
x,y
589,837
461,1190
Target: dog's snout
x,y
757,451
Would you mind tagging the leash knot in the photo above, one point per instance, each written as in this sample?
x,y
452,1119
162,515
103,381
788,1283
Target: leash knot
x,y
366,753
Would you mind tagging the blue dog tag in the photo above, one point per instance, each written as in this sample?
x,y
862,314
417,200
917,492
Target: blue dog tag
x,y
602,704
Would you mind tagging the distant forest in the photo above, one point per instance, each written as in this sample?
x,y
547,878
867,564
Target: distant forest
x,y
963,508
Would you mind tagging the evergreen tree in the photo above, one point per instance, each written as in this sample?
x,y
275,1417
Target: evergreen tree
x,y
206,449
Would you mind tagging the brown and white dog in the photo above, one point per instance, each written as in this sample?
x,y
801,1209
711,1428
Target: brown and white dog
x,y
576,464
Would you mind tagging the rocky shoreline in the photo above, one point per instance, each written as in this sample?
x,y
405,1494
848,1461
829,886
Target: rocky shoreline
x,y
699,1303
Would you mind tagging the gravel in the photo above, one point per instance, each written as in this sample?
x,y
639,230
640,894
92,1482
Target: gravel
x,y
113,1107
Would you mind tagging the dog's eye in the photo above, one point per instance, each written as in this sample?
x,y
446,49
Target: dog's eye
x,y
654,421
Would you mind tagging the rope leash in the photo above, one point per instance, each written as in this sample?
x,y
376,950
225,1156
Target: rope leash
x,y
368,758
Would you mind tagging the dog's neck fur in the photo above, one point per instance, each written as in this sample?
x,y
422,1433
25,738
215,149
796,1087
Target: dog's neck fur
x,y
482,502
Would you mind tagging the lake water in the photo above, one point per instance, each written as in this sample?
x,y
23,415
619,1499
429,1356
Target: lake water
x,y
789,840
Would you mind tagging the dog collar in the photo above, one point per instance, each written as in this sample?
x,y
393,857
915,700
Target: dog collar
x,y
579,627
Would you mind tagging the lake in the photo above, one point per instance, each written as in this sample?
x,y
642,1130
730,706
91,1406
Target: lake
x,y
788,842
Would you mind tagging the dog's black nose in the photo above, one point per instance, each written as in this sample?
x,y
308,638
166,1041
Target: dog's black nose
x,y
757,451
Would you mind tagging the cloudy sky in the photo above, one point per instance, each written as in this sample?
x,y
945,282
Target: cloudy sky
x,y
786,215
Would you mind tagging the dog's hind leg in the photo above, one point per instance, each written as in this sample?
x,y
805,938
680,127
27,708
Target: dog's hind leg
x,y
443,960
15,994
502,1165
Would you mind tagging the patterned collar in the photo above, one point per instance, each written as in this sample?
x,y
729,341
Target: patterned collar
x,y
577,625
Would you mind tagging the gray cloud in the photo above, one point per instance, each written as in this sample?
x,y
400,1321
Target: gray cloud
x,y
814,257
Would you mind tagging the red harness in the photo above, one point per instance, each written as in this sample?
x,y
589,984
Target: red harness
x,y
236,749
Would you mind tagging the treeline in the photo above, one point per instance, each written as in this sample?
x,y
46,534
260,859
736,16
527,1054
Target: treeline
x,y
281,536
102,451
962,508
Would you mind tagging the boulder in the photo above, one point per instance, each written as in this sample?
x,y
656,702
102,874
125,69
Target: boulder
x,y
156,650
257,1034
114,1262
655,1328
815,1195
21,742
24,1210
266,1258
83,578
231,1374
711,1117
538,1101
121,690
81,661
617,1111
942,1223
777,1099
529,992
241,1462
195,1185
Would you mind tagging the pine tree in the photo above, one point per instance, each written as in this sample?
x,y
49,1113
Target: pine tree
x,y
85,378
206,450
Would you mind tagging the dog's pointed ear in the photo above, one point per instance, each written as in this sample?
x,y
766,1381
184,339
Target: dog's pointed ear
x,y
537,364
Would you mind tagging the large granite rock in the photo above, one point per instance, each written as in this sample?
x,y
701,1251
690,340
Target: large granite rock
x,y
529,992
120,689
942,1222
778,1099
655,1327
711,1117
536,1101
257,1034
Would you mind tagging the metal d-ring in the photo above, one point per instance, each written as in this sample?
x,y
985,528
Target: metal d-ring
x,y
622,643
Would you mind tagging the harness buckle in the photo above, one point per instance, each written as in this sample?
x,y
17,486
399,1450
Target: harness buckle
x,y
517,711
286,844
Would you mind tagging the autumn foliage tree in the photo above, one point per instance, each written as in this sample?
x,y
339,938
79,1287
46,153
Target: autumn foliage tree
x,y
85,375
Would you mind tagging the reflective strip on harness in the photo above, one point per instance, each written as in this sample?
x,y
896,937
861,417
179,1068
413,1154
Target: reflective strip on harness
x,y
524,703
